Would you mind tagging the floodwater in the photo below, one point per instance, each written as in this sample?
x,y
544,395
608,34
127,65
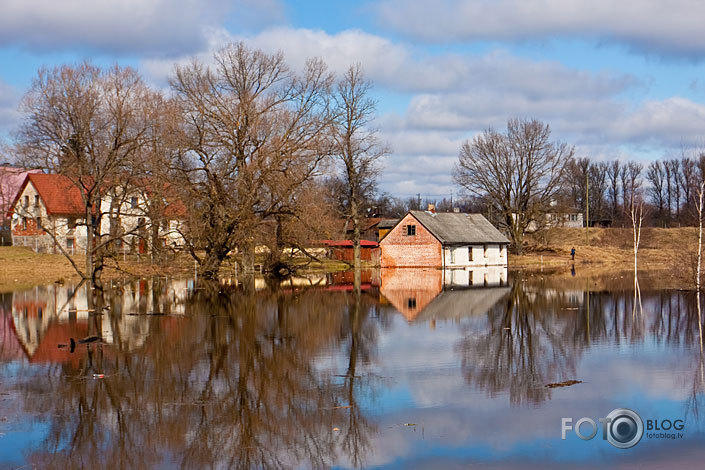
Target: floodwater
x,y
420,369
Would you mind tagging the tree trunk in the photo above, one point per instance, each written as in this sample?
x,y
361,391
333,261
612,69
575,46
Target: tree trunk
x,y
356,234
89,242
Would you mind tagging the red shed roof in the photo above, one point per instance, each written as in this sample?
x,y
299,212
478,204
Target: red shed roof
x,y
349,243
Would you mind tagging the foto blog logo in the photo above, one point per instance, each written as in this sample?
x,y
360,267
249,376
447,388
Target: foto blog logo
x,y
623,428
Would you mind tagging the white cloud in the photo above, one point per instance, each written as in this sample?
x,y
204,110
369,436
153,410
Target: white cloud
x,y
673,27
400,68
144,27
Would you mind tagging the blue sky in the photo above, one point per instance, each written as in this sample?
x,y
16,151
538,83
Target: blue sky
x,y
616,79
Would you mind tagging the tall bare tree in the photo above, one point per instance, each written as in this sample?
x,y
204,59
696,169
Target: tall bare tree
x,y
655,177
253,132
86,124
356,147
613,171
519,172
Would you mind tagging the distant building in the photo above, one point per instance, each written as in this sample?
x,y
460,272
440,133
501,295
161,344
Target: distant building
x,y
443,240
11,179
343,250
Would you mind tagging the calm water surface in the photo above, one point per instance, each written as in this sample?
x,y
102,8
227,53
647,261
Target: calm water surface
x,y
422,369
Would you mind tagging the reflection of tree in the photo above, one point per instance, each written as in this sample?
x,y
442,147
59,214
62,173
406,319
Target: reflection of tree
x,y
522,348
355,441
232,384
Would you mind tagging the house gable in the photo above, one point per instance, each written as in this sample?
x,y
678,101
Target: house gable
x,y
400,248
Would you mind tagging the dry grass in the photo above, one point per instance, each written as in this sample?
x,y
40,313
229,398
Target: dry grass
x,y
22,268
670,251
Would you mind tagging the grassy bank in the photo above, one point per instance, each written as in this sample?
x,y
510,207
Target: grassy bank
x,y
670,252
21,268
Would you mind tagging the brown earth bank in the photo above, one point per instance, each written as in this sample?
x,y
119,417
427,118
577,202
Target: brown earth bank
x,y
666,256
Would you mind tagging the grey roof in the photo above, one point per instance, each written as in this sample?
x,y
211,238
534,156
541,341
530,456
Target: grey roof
x,y
387,223
456,228
458,303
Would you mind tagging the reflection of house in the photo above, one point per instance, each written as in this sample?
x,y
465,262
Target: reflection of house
x,y
49,211
414,291
44,317
430,239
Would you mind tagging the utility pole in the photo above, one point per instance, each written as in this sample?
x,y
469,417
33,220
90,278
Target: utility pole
x,y
587,206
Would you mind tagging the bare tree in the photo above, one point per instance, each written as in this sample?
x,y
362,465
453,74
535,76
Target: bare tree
x,y
613,171
356,147
519,172
86,124
655,177
253,132
675,166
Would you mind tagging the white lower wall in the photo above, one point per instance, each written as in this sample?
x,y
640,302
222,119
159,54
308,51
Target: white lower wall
x,y
475,255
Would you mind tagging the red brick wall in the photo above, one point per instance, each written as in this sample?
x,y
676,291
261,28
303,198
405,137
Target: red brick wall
x,y
420,250
31,230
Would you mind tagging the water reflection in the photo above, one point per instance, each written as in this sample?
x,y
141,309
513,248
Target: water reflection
x,y
315,372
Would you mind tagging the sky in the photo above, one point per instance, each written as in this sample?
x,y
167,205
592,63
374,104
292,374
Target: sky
x,y
618,80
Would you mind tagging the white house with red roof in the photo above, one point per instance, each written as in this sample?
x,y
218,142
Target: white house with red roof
x,y
48,212
11,179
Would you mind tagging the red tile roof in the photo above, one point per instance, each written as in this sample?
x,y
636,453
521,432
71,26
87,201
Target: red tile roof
x,y
57,192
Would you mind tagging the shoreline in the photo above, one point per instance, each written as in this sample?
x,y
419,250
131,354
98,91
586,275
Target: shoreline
x,y
666,255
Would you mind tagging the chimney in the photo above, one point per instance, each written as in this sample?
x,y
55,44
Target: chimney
x,y
431,208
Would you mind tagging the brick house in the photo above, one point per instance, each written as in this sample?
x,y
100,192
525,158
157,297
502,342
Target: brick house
x,y
48,210
443,240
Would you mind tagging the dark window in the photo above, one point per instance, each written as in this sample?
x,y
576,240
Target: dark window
x,y
140,222
26,201
133,202
71,223
411,230
24,223
469,253
36,199
39,222
69,243
411,303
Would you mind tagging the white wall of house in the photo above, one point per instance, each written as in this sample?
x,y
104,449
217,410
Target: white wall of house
x,y
475,255
70,232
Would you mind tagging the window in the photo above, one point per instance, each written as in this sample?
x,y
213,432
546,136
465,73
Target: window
x,y
69,243
24,223
411,230
470,253
503,252
411,303
140,222
36,200
39,222
71,223
133,202
452,256
486,248
26,201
